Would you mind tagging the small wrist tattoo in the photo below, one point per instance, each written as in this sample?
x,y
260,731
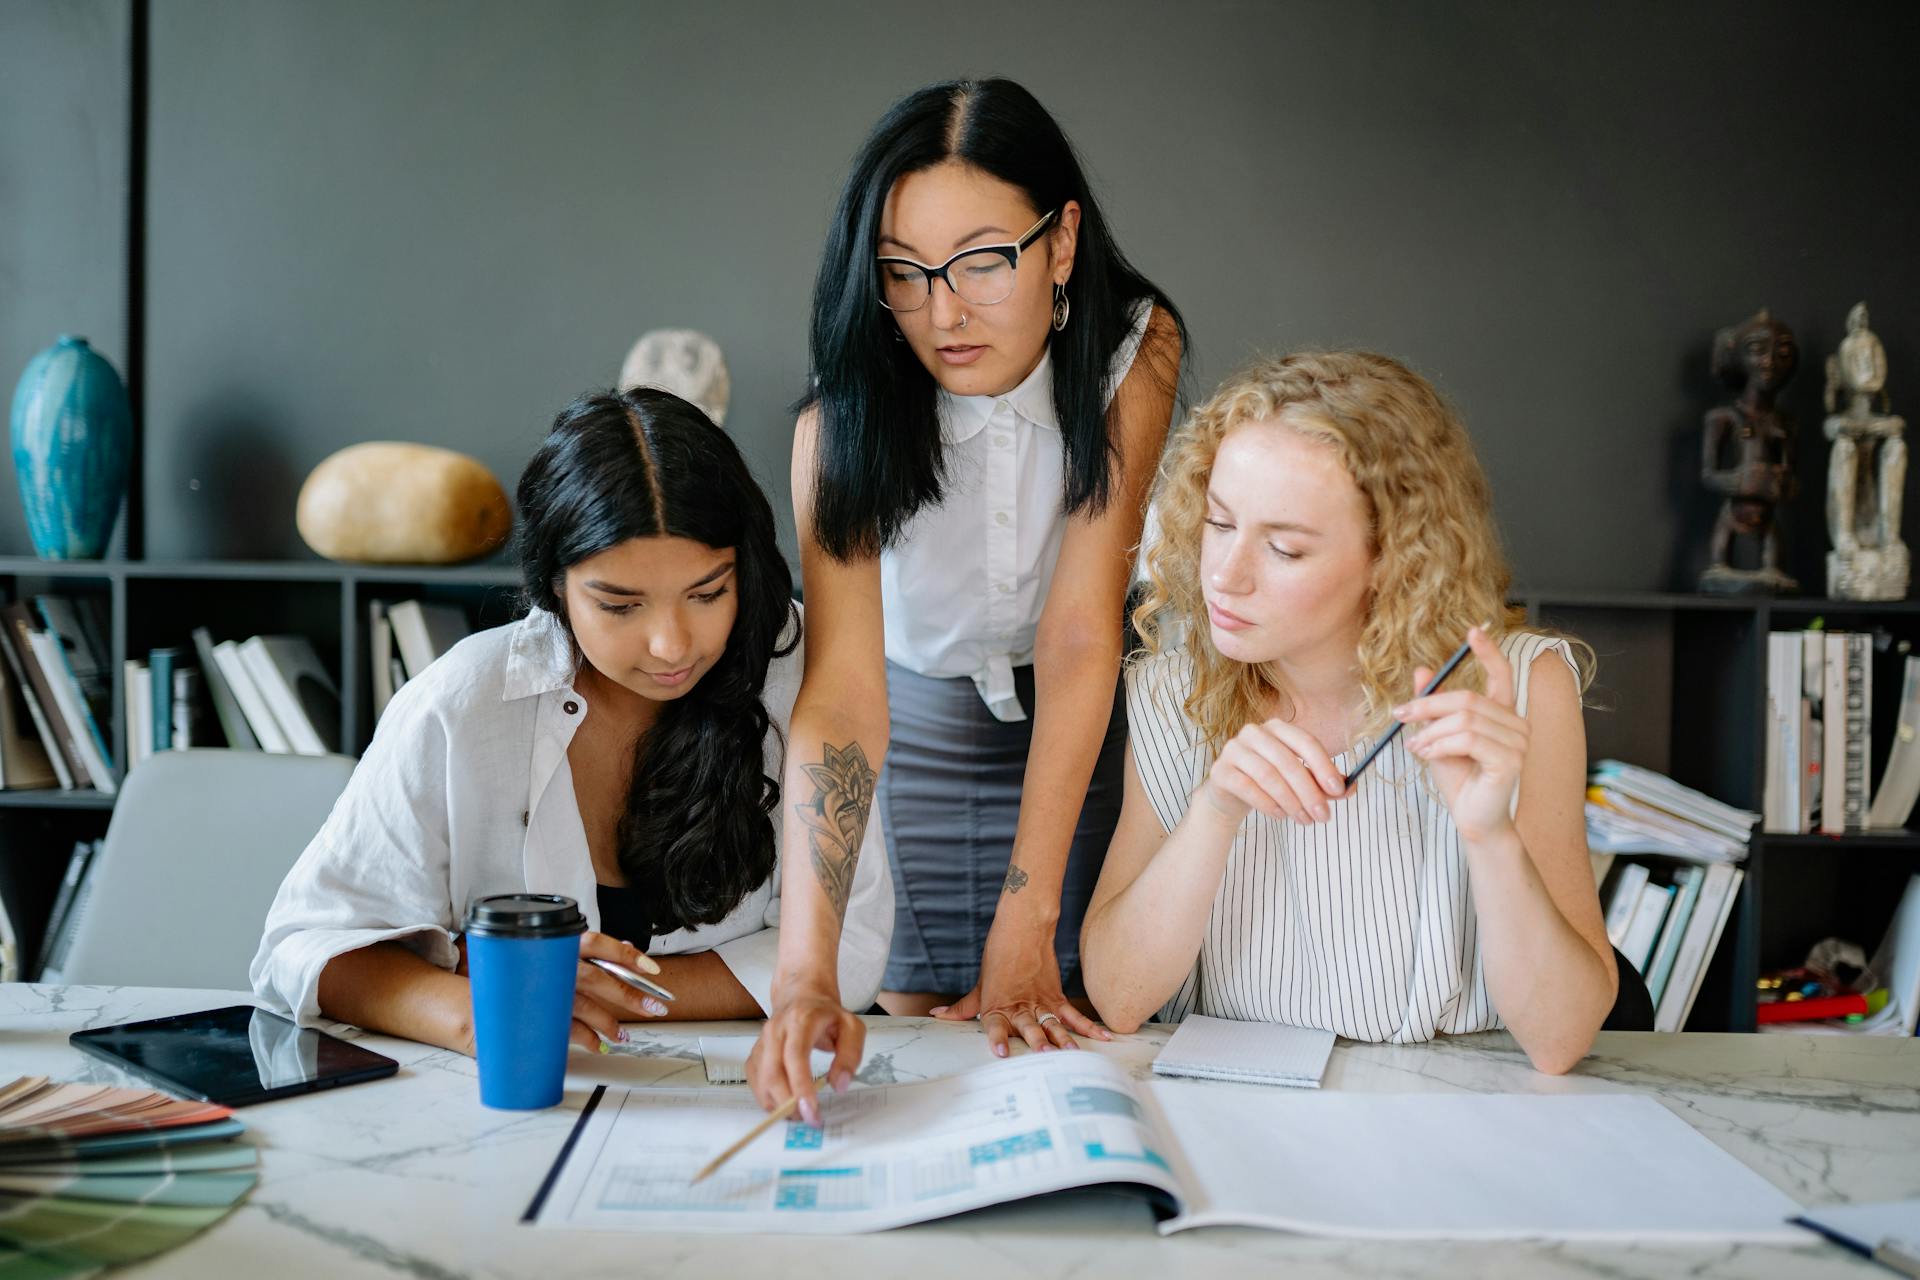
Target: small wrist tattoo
x,y
1016,880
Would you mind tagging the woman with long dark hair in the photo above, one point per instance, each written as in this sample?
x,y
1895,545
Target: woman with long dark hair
x,y
991,385
620,744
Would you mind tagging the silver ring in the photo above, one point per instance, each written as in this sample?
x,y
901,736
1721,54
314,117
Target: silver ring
x,y
1045,1018
963,321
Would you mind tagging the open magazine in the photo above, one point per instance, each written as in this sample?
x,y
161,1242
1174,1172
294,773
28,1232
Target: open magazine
x,y
1385,1166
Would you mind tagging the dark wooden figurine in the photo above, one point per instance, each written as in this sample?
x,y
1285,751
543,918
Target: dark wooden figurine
x,y
1747,453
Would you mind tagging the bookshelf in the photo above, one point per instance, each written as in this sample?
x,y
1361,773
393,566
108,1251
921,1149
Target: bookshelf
x,y
1680,689
155,603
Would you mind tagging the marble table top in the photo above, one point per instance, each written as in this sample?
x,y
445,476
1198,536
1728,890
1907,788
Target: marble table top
x,y
412,1177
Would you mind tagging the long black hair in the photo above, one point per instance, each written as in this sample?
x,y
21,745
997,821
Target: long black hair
x,y
880,457
643,463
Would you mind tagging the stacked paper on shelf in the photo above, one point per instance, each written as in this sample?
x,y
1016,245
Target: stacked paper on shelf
x,y
1635,810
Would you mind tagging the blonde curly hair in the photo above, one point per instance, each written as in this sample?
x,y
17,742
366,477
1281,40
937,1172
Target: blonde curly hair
x,y
1438,567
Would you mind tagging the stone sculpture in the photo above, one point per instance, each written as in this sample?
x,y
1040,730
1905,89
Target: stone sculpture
x,y
685,362
394,503
1866,472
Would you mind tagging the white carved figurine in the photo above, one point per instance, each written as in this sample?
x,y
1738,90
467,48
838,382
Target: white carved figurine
x,y
1866,474
685,362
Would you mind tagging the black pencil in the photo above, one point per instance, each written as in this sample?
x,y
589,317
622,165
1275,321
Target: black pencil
x,y
1459,656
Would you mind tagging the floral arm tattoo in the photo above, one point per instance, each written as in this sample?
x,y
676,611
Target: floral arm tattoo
x,y
836,818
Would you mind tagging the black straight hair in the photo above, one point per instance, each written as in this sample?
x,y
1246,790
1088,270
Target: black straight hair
x,y
880,458
641,464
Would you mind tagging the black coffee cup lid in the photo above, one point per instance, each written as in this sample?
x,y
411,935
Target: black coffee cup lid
x,y
526,915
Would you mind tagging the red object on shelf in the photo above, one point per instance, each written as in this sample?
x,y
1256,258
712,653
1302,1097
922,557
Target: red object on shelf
x,y
1810,1010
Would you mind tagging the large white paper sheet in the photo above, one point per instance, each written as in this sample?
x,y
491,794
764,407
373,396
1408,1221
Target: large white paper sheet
x,y
1460,1167
1389,1166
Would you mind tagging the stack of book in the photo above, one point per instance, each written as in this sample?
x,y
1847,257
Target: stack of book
x,y
403,638
165,702
93,1176
1820,737
1899,793
69,910
1666,913
12,961
57,702
1635,810
56,696
269,693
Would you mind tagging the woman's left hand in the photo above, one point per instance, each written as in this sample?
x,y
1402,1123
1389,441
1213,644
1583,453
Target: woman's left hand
x,y
1019,993
1474,744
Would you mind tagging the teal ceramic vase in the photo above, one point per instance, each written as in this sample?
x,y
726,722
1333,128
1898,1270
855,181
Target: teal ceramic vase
x,y
72,437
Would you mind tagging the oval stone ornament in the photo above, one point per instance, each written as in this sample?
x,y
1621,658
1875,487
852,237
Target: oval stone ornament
x,y
392,503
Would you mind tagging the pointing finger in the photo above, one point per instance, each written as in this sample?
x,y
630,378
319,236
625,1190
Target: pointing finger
x,y
1494,663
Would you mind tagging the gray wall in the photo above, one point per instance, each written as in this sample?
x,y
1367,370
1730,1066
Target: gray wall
x,y
63,192
439,221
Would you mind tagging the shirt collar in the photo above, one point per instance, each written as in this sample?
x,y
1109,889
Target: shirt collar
x,y
540,658
963,417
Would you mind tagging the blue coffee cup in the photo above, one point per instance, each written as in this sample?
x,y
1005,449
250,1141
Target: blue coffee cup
x,y
523,951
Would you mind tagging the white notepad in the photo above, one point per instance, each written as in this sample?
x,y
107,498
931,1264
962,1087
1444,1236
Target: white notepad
x,y
727,1058
1249,1052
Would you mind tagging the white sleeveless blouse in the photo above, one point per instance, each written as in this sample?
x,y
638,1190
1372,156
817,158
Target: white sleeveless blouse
x,y
962,590
1363,925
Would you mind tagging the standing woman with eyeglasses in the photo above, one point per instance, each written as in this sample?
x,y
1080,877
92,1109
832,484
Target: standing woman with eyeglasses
x,y
992,385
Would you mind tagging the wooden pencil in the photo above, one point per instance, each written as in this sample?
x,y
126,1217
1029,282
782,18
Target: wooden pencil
x,y
772,1118
1459,656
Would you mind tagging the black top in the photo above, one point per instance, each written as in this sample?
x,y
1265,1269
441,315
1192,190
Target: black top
x,y
636,913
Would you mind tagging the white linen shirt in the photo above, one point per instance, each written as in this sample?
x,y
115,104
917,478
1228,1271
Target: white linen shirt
x,y
466,792
962,590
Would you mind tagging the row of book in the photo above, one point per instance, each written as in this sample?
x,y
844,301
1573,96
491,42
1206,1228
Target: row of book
x,y
403,638
1665,913
56,705
1666,919
1820,737
267,693
69,908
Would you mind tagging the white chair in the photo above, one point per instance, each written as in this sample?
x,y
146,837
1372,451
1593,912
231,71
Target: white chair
x,y
198,845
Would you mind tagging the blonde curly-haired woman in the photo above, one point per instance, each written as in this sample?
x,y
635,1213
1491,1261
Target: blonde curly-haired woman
x,y
1326,539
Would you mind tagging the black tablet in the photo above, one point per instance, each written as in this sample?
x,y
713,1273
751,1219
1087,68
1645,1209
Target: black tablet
x,y
234,1056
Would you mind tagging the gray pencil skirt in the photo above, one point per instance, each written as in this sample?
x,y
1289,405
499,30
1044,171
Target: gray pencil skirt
x,y
950,792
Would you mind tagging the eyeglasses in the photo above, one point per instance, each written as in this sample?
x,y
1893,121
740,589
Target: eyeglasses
x,y
982,276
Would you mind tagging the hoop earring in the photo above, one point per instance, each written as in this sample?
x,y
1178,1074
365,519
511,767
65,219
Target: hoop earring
x,y
1061,308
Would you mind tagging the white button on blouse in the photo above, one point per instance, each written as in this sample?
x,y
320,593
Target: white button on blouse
x,y
962,591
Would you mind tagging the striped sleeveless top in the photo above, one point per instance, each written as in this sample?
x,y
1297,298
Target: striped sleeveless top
x,y
1363,925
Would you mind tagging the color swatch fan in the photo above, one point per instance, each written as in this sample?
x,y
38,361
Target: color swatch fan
x,y
92,1175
